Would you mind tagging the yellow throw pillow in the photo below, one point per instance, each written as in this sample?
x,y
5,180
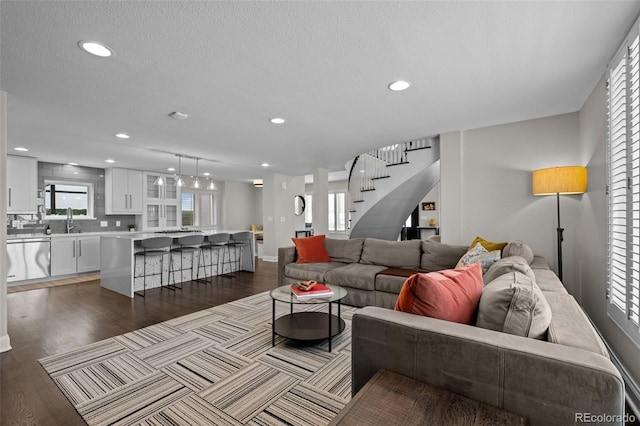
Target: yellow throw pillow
x,y
489,245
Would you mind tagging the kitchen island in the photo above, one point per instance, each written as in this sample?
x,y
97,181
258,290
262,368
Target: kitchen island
x,y
117,253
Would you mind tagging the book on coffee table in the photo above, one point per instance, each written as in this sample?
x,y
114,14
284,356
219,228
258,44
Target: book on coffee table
x,y
318,290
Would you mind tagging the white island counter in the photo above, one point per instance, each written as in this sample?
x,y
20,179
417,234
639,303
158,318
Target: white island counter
x,y
117,254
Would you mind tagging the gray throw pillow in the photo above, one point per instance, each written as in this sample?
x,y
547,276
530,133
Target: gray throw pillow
x,y
518,248
513,304
508,264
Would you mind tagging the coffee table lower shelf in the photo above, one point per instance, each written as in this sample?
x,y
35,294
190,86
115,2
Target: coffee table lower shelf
x,y
308,326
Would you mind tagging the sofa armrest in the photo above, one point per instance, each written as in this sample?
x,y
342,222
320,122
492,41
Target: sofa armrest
x,y
541,381
286,255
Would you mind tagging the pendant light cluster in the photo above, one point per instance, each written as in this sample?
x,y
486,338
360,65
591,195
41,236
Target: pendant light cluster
x,y
180,181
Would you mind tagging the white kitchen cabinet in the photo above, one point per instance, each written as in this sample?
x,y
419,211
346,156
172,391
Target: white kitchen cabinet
x,y
22,185
161,204
123,191
74,254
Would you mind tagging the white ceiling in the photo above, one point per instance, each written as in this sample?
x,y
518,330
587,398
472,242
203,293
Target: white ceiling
x,y
324,66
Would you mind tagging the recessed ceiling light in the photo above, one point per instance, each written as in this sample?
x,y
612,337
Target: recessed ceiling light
x,y
21,149
206,174
95,48
109,160
72,164
399,85
122,136
277,120
265,164
171,169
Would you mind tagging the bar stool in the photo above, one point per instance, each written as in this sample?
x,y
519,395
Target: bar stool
x,y
239,241
189,244
214,243
152,248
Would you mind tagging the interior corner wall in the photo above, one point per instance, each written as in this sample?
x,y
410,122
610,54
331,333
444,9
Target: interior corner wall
x,y
279,219
4,335
239,208
591,244
487,189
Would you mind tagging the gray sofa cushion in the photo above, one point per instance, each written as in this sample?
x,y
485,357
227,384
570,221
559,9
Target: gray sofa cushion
x,y
354,275
518,248
392,254
389,283
310,271
437,256
539,262
513,304
347,251
508,264
570,326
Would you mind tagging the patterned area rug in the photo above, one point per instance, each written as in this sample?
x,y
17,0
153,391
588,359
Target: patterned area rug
x,y
212,367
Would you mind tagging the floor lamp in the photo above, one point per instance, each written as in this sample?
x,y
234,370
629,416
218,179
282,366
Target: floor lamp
x,y
560,181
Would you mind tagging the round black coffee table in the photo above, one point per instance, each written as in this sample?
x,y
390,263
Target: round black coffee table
x,y
307,325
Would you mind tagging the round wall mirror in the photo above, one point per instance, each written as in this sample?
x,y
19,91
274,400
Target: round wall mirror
x,y
298,205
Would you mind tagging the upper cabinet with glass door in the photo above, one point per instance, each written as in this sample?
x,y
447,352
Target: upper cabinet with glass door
x,y
161,203
169,191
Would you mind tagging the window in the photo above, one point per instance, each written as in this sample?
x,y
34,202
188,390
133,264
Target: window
x,y
199,208
308,210
337,212
59,196
623,187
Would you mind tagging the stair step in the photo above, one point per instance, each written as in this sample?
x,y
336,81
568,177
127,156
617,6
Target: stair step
x,y
417,149
353,211
381,177
367,190
359,201
398,164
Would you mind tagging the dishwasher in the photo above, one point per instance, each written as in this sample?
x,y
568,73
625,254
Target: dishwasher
x,y
28,258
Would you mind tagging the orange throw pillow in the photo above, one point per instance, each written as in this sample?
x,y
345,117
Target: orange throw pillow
x,y
311,249
450,295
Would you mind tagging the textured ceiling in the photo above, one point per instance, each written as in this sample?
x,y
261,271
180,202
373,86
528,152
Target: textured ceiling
x,y
324,66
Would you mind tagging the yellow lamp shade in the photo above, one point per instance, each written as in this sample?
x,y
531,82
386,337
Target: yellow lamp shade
x,y
560,180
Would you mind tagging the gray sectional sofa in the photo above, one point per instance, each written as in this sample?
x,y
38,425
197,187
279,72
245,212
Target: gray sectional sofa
x,y
559,379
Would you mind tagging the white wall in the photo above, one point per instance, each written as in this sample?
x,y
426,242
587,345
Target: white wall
x,y
487,191
239,206
591,243
279,219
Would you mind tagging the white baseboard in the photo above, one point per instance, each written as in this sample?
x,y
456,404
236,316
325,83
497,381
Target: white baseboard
x,y
5,344
270,258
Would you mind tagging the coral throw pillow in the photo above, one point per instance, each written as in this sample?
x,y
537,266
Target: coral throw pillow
x,y
311,249
451,295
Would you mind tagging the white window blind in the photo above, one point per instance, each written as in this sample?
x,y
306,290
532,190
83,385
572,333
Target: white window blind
x,y
623,187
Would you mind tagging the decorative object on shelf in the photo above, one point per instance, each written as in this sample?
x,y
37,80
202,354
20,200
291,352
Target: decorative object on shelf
x,y
132,227
567,180
298,205
433,222
429,205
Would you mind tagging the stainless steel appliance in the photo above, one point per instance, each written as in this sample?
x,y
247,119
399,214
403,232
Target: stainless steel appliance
x,y
28,258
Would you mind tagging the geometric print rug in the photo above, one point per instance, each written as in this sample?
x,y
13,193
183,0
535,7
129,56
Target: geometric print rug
x,y
212,367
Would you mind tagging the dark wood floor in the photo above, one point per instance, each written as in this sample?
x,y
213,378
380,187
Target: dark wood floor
x,y
55,320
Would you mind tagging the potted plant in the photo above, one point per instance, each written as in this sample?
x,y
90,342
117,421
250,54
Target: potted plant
x,y
132,227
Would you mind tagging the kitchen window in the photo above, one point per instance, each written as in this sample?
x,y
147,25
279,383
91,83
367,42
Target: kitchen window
x,y
623,187
61,195
199,208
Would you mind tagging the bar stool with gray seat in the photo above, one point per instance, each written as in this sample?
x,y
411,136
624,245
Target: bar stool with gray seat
x,y
189,244
239,241
214,243
152,248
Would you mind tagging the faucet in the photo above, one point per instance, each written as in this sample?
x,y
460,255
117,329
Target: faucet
x,y
69,220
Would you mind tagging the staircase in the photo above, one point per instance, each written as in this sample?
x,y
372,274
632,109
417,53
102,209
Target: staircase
x,y
386,185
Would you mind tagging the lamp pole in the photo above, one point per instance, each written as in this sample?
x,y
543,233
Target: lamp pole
x,y
560,230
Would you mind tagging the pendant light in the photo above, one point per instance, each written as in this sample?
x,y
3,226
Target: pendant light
x,y
159,181
179,181
196,182
212,185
